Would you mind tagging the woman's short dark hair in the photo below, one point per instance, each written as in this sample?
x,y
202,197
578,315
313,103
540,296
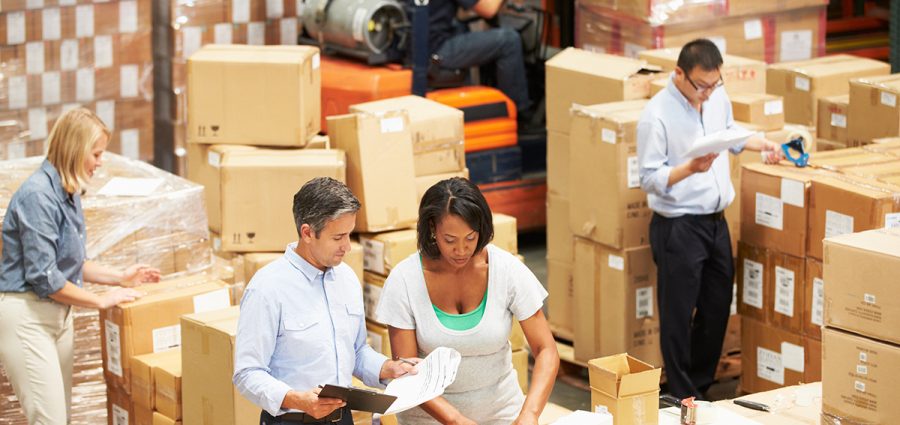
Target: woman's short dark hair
x,y
457,196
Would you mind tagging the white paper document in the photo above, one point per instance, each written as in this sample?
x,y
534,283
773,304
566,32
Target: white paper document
x,y
723,416
718,142
435,373
122,186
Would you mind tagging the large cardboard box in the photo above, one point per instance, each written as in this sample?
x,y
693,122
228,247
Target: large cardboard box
x,y
603,163
229,103
209,396
802,83
436,130
560,240
741,75
520,364
658,12
832,118
774,202
813,300
561,298
859,378
355,259
143,382
771,357
785,311
766,111
371,142
150,324
576,76
383,251
753,267
861,270
257,260
558,163
250,191
615,302
373,285
506,235
627,387
873,105
844,204
167,380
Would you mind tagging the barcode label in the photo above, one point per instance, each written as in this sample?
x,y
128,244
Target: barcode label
x,y
644,301
784,291
818,302
869,298
859,386
862,369
753,284
113,349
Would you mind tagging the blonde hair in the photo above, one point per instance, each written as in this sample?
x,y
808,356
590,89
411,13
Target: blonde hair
x,y
72,137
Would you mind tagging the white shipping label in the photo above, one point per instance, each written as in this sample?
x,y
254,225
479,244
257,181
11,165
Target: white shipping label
x,y
67,2
801,83
84,21
37,123
859,386
50,88
733,309
792,357
128,16
15,28
68,55
214,300
34,57
191,40
371,296
793,192
616,262
391,125
869,299
84,85
359,18
375,341
130,141
784,291
15,150
289,31
275,9
837,224
862,369
753,284
753,29
769,211
796,45
891,220
240,11
634,176
166,338
214,159
316,61
769,366
103,51
113,349
608,136
888,99
256,33
838,120
720,42
593,48
106,110
773,107
817,314
50,24
119,415
373,255
18,92
34,4
644,302
223,33
631,50
863,357
128,81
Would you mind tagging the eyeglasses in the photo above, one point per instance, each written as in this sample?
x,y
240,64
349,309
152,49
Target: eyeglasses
x,y
704,88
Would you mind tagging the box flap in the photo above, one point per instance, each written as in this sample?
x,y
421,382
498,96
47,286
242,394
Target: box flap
x,y
883,241
622,375
254,54
600,64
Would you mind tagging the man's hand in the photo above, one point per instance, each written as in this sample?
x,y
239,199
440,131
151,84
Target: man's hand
x,y
310,403
771,152
701,164
392,369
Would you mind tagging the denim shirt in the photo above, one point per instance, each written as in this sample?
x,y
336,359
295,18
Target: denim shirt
x,y
43,236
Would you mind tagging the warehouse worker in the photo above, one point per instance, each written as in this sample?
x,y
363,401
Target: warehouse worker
x,y
44,265
302,322
688,233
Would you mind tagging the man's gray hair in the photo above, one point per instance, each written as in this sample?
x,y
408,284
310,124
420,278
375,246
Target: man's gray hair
x,y
322,200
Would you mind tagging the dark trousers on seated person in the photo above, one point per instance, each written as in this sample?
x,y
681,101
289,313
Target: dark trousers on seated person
x,y
301,418
695,275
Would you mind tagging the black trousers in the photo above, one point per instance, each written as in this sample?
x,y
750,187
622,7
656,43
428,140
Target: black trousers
x,y
695,275
266,419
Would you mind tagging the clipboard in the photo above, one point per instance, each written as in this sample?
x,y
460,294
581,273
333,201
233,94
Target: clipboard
x,y
358,398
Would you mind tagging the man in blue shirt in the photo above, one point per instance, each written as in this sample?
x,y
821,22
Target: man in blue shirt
x,y
688,233
302,322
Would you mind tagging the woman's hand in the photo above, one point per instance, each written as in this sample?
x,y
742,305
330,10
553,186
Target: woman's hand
x,y
526,418
118,296
138,274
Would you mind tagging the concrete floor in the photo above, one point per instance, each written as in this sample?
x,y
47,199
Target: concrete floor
x,y
572,390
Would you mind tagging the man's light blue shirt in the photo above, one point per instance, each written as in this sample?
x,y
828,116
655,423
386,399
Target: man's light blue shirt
x,y
667,129
300,328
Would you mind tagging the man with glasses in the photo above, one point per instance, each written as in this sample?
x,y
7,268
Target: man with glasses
x,y
688,234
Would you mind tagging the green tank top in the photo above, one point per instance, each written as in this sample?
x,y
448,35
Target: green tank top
x,y
459,322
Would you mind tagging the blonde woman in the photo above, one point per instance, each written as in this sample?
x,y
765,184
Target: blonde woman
x,y
43,268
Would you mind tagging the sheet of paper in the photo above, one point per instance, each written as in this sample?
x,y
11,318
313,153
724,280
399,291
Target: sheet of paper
x,y
672,415
435,373
717,142
122,186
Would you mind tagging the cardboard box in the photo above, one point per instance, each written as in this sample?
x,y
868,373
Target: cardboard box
x,y
167,380
665,11
825,145
561,298
209,397
257,260
250,191
229,103
741,75
813,300
615,302
436,130
832,118
844,204
506,235
771,357
576,76
143,382
558,163
383,251
150,324
517,339
774,201
560,242
658,85
373,284
766,111
802,83
160,419
861,270
371,142
119,407
858,378
603,162
812,372
355,260
628,387
520,364
378,337
754,265
873,104
787,275
423,183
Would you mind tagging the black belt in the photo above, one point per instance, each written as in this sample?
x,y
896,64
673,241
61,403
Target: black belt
x,y
716,216
303,418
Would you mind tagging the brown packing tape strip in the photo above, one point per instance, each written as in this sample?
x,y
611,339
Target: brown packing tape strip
x,y
420,147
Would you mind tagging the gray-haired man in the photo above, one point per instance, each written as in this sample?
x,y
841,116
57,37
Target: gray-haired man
x,y
302,322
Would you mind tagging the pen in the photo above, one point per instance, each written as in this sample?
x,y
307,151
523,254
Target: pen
x,y
752,405
402,360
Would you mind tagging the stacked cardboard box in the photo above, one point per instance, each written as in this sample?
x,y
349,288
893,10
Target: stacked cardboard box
x,y
873,107
58,56
626,387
